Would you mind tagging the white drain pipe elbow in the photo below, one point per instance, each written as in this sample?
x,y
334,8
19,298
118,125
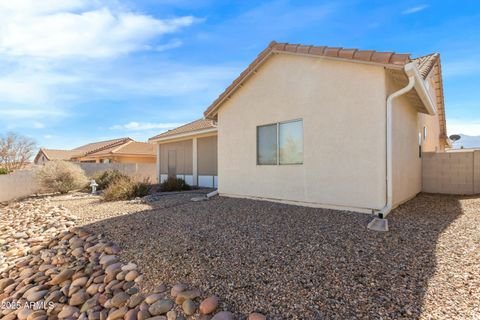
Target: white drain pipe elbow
x,y
382,213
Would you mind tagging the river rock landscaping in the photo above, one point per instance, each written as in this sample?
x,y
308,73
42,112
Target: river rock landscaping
x,y
227,258
51,269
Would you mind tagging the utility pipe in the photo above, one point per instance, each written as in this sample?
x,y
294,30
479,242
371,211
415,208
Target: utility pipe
x,y
411,82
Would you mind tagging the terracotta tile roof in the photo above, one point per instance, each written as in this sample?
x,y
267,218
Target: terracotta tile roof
x,y
102,145
197,125
392,59
426,63
130,148
389,59
55,154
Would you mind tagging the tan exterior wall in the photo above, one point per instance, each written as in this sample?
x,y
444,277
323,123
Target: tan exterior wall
x,y
342,105
138,171
207,155
127,159
476,172
451,172
432,142
118,159
183,151
18,184
407,165
408,124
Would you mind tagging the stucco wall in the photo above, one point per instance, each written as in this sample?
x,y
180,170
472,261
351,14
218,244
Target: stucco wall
x,y
432,142
343,110
125,159
17,185
139,172
408,125
183,151
207,155
407,164
451,172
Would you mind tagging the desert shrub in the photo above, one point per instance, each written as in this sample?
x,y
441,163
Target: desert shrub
x,y
124,188
105,178
61,176
4,171
174,184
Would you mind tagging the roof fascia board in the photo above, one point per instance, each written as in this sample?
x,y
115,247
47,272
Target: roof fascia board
x,y
184,135
275,52
420,88
386,65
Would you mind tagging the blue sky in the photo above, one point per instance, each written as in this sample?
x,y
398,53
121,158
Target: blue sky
x,y
76,71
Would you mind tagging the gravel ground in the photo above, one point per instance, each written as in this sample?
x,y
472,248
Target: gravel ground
x,y
304,263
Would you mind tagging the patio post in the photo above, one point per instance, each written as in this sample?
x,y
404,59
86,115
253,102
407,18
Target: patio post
x,y
194,162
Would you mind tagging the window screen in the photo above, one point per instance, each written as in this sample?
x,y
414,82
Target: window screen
x,y
291,142
267,144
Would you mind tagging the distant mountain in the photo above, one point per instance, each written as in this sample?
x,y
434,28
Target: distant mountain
x,y
467,142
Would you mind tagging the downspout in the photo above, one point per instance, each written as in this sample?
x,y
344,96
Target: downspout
x,y
382,213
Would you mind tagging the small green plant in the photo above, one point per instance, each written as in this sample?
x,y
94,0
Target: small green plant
x,y
4,171
61,176
174,184
105,178
124,188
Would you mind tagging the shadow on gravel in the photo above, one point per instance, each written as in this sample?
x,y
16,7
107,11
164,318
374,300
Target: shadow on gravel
x,y
289,261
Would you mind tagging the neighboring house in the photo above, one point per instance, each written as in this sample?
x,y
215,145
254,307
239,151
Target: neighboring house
x,y
328,127
188,152
45,155
125,152
122,150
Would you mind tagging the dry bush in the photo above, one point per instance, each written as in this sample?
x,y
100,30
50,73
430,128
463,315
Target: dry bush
x,y
124,188
105,178
61,176
174,184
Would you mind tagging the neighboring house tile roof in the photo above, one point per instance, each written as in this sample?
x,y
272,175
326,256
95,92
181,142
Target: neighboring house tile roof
x,y
120,146
130,148
55,154
389,59
197,125
102,145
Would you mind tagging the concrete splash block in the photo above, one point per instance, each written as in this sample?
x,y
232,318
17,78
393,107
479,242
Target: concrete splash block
x,y
378,224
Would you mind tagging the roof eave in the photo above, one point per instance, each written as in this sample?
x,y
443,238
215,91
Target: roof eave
x,y
420,88
183,135
210,113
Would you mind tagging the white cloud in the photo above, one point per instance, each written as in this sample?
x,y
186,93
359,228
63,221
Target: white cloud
x,y
137,126
415,9
170,45
78,28
463,126
38,125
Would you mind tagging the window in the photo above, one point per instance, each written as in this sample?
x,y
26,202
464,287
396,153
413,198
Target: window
x,y
267,144
280,143
419,144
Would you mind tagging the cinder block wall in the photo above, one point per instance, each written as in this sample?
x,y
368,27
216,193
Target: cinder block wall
x,y
451,172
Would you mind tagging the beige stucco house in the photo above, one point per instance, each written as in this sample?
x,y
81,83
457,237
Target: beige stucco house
x,y
329,127
121,150
188,152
